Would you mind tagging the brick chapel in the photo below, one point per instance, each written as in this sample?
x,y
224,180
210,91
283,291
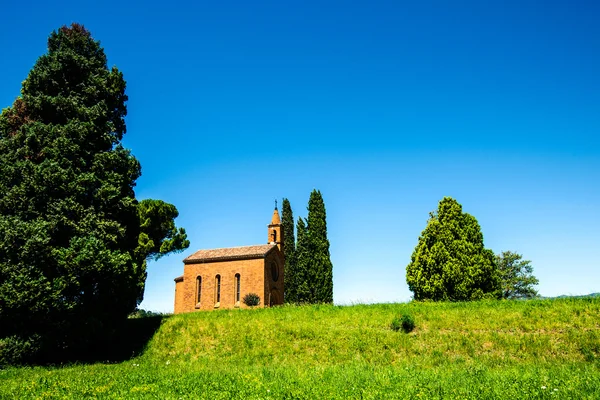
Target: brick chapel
x,y
220,278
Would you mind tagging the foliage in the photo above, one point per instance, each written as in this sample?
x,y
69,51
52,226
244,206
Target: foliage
x,y
141,313
251,299
158,234
318,245
408,323
405,322
450,261
396,324
310,278
71,268
289,248
15,349
303,275
466,350
516,276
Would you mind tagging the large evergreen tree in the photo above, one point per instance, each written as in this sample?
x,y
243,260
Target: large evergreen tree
x,y
289,248
303,277
320,260
72,260
450,261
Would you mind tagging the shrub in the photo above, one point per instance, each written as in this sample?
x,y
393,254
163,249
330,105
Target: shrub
x,y
405,322
16,350
251,299
408,323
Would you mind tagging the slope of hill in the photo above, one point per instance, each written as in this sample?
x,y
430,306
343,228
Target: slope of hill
x,y
501,349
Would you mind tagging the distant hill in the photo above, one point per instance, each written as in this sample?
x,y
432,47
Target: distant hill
x,y
564,296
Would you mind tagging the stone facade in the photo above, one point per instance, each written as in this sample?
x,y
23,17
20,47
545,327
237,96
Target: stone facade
x,y
220,278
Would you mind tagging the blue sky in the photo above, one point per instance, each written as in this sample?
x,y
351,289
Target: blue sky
x,y
386,107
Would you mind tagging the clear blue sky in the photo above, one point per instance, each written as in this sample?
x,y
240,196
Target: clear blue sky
x,y
386,107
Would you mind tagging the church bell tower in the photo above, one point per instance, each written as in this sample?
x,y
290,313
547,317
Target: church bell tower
x,y
275,232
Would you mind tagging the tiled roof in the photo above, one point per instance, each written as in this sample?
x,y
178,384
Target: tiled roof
x,y
231,253
179,279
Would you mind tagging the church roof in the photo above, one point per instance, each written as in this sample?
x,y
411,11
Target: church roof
x,y
230,253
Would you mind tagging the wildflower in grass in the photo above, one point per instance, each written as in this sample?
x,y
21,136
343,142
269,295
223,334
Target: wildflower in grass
x,y
543,387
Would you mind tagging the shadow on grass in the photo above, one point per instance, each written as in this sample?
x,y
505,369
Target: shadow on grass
x,y
127,341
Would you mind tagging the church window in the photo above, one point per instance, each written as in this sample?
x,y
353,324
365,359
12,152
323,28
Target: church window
x,y
274,271
274,236
218,289
237,288
198,291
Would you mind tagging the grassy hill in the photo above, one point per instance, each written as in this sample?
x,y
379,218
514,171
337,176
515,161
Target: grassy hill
x,y
502,349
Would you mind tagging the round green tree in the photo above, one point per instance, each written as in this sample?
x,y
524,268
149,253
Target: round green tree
x,y
450,261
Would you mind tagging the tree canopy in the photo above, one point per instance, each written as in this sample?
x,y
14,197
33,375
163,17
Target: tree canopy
x,y
73,238
516,276
450,261
158,234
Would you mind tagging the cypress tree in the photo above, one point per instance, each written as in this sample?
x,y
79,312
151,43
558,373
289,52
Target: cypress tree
x,y
289,248
302,274
321,268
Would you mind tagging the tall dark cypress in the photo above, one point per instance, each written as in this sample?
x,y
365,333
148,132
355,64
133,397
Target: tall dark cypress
x,y
289,248
303,278
320,266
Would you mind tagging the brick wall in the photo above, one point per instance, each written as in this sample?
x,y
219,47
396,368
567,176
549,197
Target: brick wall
x,y
178,296
251,281
273,288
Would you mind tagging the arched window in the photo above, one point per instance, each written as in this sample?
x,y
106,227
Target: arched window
x,y
237,288
218,289
274,236
274,271
198,290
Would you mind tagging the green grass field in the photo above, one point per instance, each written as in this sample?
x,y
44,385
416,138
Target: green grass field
x,y
547,349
